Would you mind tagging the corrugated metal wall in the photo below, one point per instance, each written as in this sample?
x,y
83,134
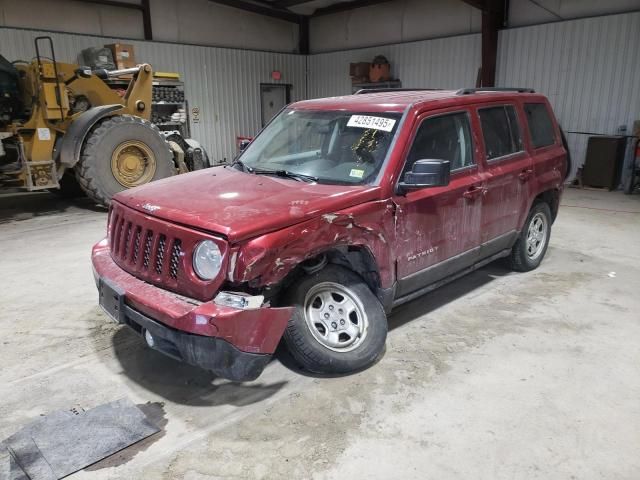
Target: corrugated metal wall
x,y
439,63
589,69
223,83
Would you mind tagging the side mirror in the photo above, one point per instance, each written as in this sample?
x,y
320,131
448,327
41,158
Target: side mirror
x,y
243,144
426,173
83,72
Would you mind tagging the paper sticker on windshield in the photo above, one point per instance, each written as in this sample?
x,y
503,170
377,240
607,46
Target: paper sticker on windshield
x,y
356,173
366,121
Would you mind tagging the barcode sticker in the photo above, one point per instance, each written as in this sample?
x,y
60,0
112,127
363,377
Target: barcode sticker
x,y
44,134
366,121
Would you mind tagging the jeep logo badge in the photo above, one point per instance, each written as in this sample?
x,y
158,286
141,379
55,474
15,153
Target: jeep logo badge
x,y
150,208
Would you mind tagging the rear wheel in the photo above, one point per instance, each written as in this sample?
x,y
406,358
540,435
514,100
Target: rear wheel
x,y
122,152
532,243
338,326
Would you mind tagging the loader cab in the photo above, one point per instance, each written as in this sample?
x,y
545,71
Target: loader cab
x,y
11,104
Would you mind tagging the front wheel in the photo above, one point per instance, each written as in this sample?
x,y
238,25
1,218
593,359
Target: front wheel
x,y
532,243
338,326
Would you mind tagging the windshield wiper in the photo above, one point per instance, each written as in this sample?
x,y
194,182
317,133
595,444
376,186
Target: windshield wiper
x,y
287,174
243,167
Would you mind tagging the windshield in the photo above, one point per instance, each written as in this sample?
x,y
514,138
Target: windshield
x,y
333,147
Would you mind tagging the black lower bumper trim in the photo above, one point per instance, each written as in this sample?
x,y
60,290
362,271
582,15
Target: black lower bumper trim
x,y
210,353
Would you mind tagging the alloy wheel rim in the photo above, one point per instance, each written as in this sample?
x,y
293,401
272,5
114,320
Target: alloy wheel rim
x,y
335,316
133,163
536,236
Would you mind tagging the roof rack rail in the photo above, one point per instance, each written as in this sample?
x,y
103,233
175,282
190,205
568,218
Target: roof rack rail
x,y
468,91
383,90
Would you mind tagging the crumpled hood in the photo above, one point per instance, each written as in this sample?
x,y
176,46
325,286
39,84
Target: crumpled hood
x,y
240,205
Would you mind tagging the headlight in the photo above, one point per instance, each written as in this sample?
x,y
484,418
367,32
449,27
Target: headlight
x,y
207,260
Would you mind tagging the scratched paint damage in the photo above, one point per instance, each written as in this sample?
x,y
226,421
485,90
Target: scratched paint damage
x,y
329,217
267,259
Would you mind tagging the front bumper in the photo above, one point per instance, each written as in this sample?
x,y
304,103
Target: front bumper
x,y
233,343
210,353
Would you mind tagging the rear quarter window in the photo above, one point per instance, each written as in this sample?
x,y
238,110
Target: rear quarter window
x,y
540,125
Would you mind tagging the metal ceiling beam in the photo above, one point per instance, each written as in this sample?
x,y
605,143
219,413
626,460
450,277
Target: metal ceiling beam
x,y
115,3
146,20
303,36
479,4
144,7
259,9
345,6
493,19
289,3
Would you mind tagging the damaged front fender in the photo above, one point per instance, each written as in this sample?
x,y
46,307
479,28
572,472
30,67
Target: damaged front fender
x,y
269,258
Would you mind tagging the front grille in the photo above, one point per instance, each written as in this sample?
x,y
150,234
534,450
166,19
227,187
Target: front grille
x,y
136,244
144,250
159,252
147,249
174,262
127,241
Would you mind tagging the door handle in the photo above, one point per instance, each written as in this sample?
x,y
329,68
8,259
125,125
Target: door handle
x,y
474,192
525,175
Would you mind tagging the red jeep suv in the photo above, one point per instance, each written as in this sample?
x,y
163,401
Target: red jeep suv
x,y
339,210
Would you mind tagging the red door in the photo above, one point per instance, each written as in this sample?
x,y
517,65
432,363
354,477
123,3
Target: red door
x,y
508,168
438,228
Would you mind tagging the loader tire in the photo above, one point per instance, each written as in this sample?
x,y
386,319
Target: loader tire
x,y
69,186
122,152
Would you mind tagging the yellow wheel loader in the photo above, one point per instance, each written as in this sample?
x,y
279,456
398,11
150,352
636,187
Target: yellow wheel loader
x,y
62,127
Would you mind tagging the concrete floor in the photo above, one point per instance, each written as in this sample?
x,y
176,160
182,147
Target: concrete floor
x,y
496,376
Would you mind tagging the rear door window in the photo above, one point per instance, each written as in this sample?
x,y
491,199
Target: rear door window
x,y
540,125
445,137
501,131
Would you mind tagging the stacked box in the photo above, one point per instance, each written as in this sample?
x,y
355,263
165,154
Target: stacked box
x,y
123,55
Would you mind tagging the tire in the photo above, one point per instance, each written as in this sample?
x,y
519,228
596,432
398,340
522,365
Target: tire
x,y
94,170
308,349
525,255
69,186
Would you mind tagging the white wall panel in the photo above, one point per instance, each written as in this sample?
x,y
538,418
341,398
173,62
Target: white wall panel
x,y
223,83
588,68
197,22
203,22
526,12
392,22
72,16
440,63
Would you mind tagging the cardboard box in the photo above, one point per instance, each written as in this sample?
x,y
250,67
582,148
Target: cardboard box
x,y
123,55
380,72
358,80
359,69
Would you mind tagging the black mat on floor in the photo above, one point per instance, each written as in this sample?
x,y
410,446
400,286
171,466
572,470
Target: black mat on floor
x,y
64,442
